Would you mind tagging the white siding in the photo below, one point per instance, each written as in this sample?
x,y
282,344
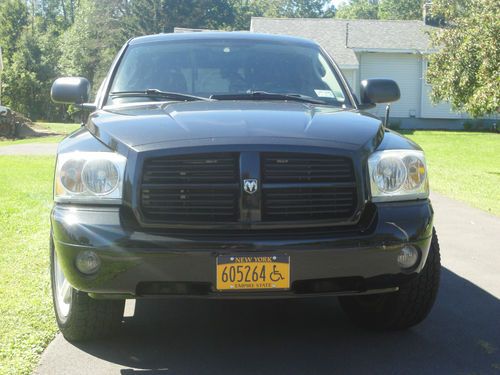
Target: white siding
x,y
351,76
429,110
406,70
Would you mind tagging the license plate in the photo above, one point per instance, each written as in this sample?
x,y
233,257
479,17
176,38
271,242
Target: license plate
x,y
254,272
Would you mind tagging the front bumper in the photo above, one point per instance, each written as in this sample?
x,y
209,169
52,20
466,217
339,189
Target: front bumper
x,y
135,263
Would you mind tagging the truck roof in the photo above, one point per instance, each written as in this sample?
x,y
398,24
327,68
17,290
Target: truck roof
x,y
223,35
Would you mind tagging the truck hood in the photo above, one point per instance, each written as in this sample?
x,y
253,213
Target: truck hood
x,y
164,125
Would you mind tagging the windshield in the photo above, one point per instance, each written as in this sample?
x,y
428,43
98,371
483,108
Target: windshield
x,y
224,68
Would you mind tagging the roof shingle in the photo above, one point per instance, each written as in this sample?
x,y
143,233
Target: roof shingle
x,y
342,37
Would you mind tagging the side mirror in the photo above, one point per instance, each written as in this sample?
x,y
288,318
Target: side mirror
x,y
70,90
379,90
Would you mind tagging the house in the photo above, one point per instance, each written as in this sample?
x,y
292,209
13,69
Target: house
x,y
377,49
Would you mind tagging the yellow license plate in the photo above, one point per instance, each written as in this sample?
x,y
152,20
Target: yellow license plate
x,y
253,272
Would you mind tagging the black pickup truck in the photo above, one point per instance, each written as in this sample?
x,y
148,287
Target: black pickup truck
x,y
237,165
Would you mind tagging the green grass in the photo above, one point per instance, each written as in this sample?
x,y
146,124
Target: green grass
x,y
463,165
59,128
26,320
49,139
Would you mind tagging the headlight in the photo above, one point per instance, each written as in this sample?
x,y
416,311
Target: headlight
x,y
398,175
89,177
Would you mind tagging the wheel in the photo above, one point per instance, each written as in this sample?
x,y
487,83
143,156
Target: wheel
x,y
79,316
404,308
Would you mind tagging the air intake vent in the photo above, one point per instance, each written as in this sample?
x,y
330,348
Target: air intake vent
x,y
199,169
190,189
303,187
309,204
306,168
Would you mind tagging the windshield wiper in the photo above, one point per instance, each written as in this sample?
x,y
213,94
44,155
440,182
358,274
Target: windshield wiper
x,y
263,95
155,93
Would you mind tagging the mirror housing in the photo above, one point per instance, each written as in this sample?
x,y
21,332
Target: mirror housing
x,y
70,90
379,90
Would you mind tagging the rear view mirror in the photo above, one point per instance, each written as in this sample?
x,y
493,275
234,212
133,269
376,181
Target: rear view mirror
x,y
379,90
70,90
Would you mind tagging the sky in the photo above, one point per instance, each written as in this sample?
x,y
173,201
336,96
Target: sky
x,y
337,2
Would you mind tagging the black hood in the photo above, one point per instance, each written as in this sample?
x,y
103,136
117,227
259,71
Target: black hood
x,y
151,125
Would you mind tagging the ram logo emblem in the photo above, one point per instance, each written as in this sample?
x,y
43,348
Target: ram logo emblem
x,y
250,185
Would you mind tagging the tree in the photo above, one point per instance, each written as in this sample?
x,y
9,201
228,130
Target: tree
x,y
466,69
382,9
244,10
90,44
30,74
13,19
400,9
359,9
301,8
159,16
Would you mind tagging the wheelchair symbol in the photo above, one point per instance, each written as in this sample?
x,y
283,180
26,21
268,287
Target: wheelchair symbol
x,y
276,275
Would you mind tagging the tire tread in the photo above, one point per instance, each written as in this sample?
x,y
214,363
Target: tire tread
x,y
405,308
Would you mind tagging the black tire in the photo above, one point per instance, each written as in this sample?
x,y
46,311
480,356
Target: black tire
x,y
404,308
88,318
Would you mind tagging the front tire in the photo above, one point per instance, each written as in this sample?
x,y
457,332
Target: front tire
x,y
404,308
79,316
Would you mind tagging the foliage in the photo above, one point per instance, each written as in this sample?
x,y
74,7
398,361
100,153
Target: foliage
x,y
142,17
382,9
359,9
400,9
90,44
28,36
302,8
45,39
28,77
13,19
245,9
466,69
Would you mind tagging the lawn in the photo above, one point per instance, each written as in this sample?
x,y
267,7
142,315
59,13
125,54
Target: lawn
x,y
463,165
59,128
26,320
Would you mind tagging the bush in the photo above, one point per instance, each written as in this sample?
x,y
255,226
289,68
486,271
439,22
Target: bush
x,y
480,126
394,124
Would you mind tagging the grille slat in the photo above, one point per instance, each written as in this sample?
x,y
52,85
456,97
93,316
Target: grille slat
x,y
205,188
190,189
290,168
301,187
307,206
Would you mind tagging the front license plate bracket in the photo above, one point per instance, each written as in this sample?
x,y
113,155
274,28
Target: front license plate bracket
x,y
253,272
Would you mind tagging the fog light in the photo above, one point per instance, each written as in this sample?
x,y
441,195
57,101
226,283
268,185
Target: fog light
x,y
407,257
87,262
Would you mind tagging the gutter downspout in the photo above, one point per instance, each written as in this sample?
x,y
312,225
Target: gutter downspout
x,y
347,35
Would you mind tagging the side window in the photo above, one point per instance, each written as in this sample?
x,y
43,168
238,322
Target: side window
x,y
330,82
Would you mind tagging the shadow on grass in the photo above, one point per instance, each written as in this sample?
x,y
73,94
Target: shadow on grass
x,y
311,336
